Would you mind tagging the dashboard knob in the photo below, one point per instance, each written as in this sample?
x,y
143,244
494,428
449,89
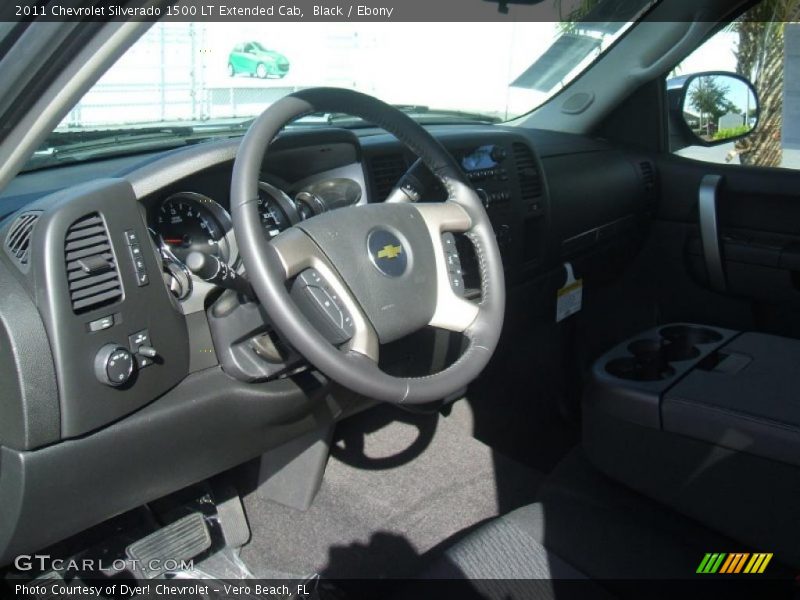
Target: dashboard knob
x,y
113,365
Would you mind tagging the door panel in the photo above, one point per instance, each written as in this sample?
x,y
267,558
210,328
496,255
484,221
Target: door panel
x,y
758,237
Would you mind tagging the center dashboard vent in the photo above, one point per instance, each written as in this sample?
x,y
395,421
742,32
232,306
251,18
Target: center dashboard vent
x,y
386,169
91,269
530,181
18,240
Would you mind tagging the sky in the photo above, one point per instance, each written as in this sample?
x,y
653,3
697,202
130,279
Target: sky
x,y
717,54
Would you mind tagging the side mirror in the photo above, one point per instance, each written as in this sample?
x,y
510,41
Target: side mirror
x,y
711,108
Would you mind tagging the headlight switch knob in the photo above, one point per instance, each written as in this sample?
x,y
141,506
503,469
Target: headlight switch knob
x,y
113,365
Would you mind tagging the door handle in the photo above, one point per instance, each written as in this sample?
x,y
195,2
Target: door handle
x,y
709,231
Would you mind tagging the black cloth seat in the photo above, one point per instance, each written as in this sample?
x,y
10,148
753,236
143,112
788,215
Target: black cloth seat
x,y
504,560
584,527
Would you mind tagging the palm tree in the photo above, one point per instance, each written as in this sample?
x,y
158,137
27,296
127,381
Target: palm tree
x,y
760,58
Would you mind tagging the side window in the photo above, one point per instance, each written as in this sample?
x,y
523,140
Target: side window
x,y
763,46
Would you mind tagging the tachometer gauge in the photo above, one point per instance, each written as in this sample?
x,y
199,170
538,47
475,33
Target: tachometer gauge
x,y
190,222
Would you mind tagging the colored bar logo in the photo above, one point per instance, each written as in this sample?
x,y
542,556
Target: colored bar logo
x,y
734,563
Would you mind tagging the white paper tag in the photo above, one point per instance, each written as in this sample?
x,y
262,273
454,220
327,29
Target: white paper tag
x,y
569,297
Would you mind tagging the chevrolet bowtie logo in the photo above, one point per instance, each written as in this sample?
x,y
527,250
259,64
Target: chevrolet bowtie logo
x,y
390,251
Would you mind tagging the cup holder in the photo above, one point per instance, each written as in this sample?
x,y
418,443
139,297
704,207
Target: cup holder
x,y
648,363
644,348
664,349
689,336
651,359
676,352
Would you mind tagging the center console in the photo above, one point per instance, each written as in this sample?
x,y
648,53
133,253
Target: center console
x,y
706,420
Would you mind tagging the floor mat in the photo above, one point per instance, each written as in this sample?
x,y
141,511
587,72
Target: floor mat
x,y
396,486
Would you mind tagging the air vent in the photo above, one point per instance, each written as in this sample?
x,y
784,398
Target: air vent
x,y
530,183
18,240
387,169
91,269
648,175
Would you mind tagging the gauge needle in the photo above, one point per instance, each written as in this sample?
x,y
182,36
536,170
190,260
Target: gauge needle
x,y
173,240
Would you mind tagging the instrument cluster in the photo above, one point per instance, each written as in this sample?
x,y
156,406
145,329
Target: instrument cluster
x,y
186,222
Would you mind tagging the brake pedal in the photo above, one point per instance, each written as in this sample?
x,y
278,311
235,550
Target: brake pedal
x,y
179,541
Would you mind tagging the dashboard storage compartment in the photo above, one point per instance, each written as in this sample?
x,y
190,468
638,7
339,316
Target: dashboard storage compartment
x,y
706,420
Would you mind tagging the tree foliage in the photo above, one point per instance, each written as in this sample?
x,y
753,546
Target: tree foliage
x,y
710,98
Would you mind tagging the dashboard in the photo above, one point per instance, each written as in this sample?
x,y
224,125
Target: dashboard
x,y
94,272
106,260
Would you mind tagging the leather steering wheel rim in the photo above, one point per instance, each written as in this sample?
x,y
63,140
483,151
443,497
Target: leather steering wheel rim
x,y
268,262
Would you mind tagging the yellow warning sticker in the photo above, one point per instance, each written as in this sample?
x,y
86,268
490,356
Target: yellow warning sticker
x,y
569,298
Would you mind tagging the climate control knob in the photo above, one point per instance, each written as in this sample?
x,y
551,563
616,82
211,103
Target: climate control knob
x,y
113,365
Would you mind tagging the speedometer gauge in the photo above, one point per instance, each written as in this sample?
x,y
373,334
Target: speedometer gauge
x,y
190,222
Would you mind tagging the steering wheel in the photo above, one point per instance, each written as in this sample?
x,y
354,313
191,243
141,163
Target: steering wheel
x,y
378,272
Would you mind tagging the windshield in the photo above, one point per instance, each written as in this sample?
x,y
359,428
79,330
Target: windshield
x,y
185,82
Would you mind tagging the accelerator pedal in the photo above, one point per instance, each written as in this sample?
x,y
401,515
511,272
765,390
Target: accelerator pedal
x,y
179,541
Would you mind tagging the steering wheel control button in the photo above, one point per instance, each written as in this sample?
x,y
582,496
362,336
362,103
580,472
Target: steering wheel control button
x,y
101,323
322,306
453,262
113,365
387,252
